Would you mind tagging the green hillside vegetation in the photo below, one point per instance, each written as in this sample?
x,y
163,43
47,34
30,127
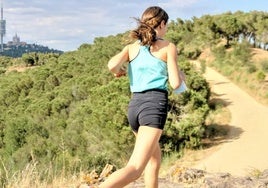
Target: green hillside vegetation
x,y
17,50
69,112
236,44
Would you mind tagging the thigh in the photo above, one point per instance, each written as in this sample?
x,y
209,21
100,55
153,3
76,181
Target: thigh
x,y
146,142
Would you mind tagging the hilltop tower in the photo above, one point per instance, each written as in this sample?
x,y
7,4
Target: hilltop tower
x,y
2,27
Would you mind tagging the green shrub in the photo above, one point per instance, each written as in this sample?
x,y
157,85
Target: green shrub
x,y
192,53
2,70
188,111
228,70
203,66
260,76
5,61
219,52
251,68
241,54
264,66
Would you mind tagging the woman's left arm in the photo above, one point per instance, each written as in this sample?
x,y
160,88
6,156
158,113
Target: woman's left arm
x,y
115,64
173,69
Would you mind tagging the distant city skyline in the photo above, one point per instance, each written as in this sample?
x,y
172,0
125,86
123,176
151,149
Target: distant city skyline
x,y
78,22
15,41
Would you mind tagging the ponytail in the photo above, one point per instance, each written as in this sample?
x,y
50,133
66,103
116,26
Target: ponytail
x,y
151,19
144,33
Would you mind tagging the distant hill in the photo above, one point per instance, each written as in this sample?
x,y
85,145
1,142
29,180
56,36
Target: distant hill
x,y
19,50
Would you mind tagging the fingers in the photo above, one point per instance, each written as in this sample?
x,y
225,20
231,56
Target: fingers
x,y
121,72
119,75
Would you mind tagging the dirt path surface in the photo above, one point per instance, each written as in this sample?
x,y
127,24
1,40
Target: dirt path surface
x,y
246,148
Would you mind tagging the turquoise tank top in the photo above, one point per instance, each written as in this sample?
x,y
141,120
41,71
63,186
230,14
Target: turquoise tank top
x,y
147,72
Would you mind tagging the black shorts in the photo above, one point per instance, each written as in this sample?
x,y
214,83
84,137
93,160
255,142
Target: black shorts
x,y
148,108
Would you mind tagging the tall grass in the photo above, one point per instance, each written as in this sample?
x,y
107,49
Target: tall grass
x,y
32,177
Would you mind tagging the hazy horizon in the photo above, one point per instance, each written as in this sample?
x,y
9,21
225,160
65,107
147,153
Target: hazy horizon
x,y
65,25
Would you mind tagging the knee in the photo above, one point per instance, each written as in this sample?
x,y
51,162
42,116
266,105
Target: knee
x,y
153,165
136,172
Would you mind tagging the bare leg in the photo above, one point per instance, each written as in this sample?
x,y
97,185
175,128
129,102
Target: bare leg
x,y
146,142
152,169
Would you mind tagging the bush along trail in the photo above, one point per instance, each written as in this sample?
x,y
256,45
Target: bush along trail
x,y
242,160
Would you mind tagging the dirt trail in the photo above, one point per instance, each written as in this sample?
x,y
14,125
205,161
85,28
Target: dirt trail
x,y
246,148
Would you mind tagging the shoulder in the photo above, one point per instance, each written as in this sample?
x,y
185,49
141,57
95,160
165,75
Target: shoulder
x,y
171,45
134,45
127,49
171,48
133,50
165,44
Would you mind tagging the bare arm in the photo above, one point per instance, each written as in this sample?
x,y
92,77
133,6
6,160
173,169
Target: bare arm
x,y
173,69
116,62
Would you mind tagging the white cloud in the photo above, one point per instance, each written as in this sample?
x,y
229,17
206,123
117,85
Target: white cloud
x,y
67,24
177,3
26,11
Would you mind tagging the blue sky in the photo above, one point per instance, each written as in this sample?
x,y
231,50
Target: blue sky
x,y
65,25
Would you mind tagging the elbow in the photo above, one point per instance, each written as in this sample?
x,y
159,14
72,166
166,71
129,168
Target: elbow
x,y
111,67
175,85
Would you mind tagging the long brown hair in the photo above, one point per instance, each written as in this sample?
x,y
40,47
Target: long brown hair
x,y
151,19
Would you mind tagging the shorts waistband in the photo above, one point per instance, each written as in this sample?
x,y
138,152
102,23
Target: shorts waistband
x,y
149,90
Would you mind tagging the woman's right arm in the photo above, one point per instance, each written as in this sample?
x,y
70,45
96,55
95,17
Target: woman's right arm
x,y
115,64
